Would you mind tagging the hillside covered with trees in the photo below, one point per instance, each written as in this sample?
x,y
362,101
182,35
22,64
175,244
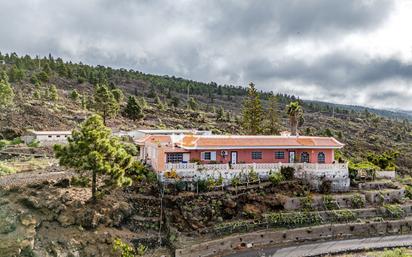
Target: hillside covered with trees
x,y
51,94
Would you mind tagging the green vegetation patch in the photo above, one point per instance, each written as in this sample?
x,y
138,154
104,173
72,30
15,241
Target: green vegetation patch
x,y
6,170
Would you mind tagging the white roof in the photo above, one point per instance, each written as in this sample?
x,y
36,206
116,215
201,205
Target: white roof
x,y
65,132
171,131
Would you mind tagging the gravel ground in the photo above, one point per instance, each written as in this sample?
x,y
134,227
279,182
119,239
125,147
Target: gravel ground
x,y
24,178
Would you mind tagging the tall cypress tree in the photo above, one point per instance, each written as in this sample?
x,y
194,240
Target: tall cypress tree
x,y
252,112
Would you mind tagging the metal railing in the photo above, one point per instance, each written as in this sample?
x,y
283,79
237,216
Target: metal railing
x,y
255,166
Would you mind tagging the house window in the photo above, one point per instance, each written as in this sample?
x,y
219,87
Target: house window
x,y
208,156
321,157
280,155
49,136
256,155
304,157
174,157
58,136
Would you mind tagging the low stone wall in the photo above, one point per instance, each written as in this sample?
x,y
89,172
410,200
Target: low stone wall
x,y
385,196
377,185
340,181
295,203
389,174
268,238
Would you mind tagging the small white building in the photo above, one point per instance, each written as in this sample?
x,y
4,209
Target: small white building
x,y
47,137
140,133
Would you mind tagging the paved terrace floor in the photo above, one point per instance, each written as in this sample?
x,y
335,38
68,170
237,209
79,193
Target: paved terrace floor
x,y
332,247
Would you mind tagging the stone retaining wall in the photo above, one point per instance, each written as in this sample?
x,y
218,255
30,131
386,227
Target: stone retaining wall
x,y
294,203
269,238
389,195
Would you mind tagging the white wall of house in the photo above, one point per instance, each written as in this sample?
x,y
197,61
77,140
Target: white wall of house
x,y
47,138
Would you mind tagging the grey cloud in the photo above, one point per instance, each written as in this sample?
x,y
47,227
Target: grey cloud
x,y
231,42
335,70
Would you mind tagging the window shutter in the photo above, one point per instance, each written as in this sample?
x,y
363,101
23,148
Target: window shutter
x,y
202,156
213,156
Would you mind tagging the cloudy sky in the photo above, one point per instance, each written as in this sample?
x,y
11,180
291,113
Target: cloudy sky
x,y
351,51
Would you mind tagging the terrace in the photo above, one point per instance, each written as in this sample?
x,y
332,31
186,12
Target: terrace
x,y
193,167
314,173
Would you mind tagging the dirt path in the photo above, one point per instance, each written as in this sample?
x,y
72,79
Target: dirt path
x,y
24,178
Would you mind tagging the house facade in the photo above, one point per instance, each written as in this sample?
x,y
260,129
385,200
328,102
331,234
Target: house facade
x,y
47,137
165,151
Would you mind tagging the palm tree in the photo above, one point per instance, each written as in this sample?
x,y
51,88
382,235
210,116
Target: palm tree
x,y
295,113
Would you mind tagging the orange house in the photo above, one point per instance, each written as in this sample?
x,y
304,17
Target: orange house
x,y
159,150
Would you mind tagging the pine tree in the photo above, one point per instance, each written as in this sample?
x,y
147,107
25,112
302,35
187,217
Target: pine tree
x,y
220,114
53,96
142,102
228,116
118,94
175,101
84,102
295,113
192,104
104,102
42,76
6,91
74,95
133,110
159,103
92,149
273,113
252,112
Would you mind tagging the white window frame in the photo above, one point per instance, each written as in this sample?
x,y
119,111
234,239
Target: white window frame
x,y
212,156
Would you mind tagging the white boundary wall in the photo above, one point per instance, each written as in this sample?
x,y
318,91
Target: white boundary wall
x,y
313,173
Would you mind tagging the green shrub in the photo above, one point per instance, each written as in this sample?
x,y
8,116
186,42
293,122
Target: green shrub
x,y
398,252
202,185
181,185
151,177
235,181
276,178
344,215
288,172
5,170
130,148
306,203
394,211
293,219
123,249
35,143
357,201
4,143
330,203
16,141
253,176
